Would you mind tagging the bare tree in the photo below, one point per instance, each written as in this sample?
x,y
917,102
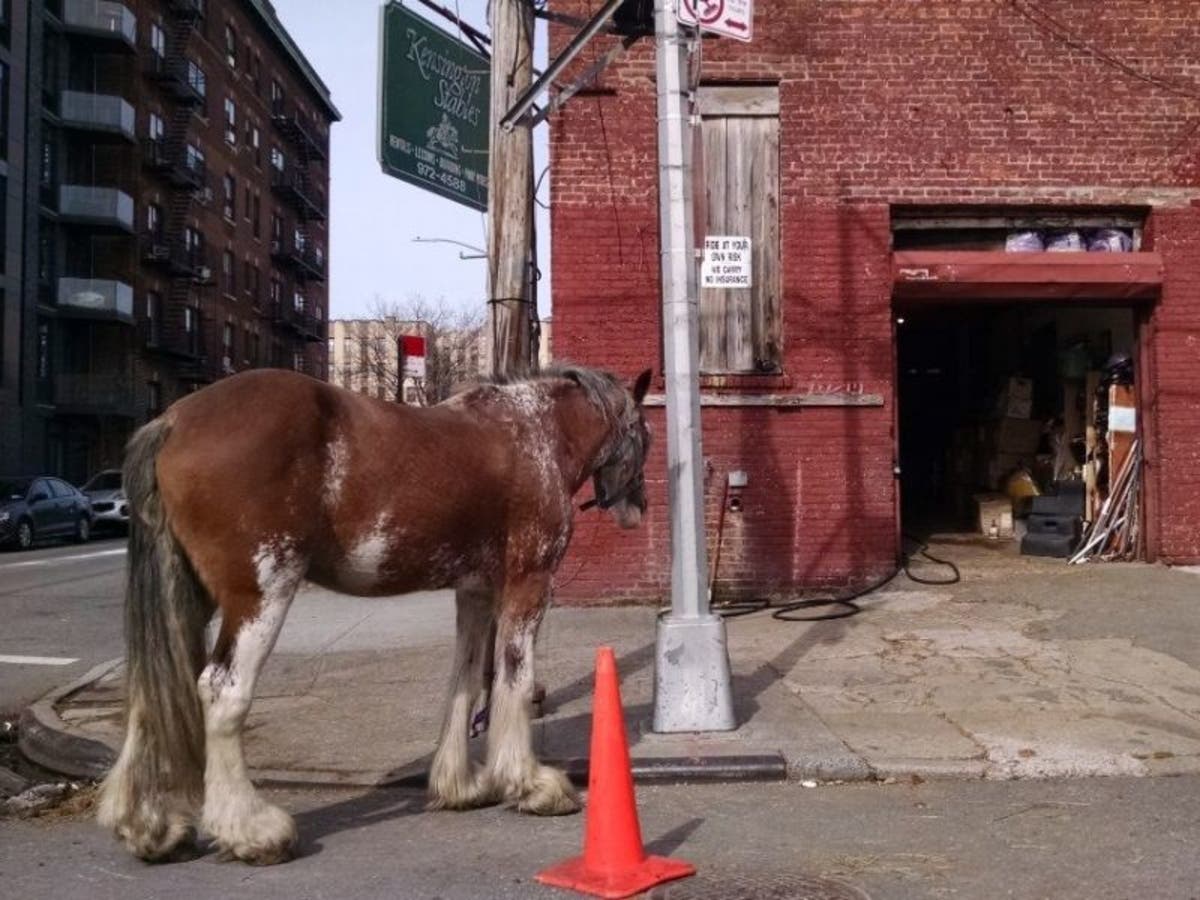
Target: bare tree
x,y
453,348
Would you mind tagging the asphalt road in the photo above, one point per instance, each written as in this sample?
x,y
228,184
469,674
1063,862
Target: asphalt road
x,y
1099,839
60,609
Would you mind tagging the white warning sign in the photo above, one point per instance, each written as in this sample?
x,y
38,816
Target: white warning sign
x,y
729,18
727,262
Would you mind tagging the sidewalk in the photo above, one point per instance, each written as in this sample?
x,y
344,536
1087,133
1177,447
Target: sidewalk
x,y
1027,668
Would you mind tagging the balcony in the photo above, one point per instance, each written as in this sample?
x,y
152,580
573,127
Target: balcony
x,y
186,9
94,393
95,298
302,321
182,81
292,186
174,257
102,19
305,263
180,169
299,132
103,113
100,206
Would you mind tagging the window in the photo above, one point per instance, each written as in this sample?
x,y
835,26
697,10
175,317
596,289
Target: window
x,y
252,351
231,46
248,201
158,40
153,318
153,218
230,207
153,398
276,231
277,158
250,279
43,351
195,158
297,360
196,79
191,328
228,273
276,293
276,96
254,139
246,346
256,218
298,301
740,327
193,242
155,127
298,239
227,340
230,121
3,110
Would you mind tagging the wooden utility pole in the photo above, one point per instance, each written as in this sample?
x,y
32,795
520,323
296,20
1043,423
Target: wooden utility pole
x,y
510,198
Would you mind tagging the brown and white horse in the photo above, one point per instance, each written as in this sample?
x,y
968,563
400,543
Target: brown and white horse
x,y
243,490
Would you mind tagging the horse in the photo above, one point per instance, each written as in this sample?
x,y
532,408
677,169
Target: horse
x,y
243,490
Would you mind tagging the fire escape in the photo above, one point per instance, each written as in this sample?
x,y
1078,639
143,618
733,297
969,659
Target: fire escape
x,y
183,332
294,251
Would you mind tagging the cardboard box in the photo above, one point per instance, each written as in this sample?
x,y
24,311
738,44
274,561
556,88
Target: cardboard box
x,y
994,510
1014,435
1000,465
1015,400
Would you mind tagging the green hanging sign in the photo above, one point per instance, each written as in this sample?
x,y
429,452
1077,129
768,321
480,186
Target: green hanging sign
x,y
434,95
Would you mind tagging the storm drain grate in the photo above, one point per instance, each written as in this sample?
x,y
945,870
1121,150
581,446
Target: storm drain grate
x,y
728,885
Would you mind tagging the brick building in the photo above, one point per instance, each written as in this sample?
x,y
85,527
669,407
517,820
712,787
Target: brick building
x,y
175,218
882,154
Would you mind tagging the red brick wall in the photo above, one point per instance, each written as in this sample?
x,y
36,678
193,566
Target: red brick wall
x,y
938,102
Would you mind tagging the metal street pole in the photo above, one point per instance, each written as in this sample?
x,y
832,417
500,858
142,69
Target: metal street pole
x,y
692,690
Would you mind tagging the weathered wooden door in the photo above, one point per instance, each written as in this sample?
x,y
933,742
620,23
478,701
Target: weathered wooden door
x,y
740,328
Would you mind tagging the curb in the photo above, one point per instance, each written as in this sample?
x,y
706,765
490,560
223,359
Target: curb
x,y
46,740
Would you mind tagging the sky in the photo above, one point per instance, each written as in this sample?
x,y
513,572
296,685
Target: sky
x,y
374,217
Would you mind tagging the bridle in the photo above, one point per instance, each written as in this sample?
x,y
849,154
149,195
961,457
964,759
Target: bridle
x,y
606,501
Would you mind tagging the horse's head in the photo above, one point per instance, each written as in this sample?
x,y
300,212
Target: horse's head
x,y
619,482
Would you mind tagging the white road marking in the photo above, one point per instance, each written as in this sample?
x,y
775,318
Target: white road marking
x,y
75,557
37,660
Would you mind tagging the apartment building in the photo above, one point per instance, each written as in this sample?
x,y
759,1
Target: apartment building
x,y
177,227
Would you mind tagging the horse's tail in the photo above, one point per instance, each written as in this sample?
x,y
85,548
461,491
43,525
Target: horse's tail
x,y
150,797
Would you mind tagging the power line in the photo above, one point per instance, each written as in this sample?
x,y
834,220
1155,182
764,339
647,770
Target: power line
x,y
1048,23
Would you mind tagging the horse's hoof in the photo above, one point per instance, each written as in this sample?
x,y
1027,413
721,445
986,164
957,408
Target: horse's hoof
x,y
460,794
177,844
550,794
265,837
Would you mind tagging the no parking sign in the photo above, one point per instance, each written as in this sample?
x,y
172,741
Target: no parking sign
x,y
730,18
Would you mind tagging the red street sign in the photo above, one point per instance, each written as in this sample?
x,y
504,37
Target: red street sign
x,y
412,345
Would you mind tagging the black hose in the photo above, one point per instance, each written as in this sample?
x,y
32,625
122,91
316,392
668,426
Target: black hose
x,y
785,612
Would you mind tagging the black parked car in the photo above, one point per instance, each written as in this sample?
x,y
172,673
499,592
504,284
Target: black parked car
x,y
35,508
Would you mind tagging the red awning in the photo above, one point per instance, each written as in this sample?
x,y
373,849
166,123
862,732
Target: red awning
x,y
941,275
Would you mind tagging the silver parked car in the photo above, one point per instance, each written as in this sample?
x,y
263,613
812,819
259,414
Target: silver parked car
x,y
109,506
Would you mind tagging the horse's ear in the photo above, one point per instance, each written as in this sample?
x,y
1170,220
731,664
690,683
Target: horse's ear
x,y
641,386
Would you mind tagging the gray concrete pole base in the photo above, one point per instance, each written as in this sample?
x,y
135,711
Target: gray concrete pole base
x,y
692,683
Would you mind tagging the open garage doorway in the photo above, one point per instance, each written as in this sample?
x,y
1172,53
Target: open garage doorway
x,y
998,403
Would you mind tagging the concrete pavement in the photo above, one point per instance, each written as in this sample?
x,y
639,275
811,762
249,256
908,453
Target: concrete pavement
x,y
1027,668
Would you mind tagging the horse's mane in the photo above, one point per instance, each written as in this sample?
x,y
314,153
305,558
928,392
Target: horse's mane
x,y
602,389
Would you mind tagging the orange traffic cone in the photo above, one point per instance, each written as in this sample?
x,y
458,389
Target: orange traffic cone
x,y
614,862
